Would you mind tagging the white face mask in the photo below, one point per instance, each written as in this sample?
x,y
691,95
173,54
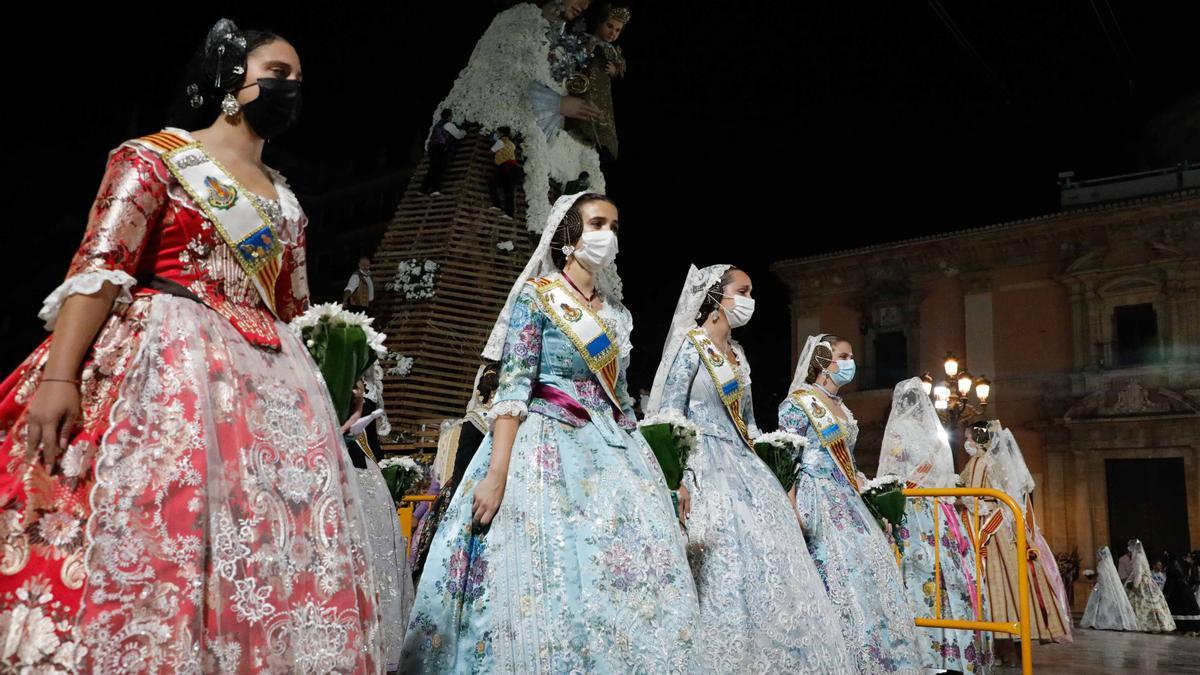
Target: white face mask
x,y
739,315
597,249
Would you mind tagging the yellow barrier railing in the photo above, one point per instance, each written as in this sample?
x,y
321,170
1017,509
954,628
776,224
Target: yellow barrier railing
x,y
405,511
1020,627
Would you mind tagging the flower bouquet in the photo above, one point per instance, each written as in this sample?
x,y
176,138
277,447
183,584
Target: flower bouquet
x,y
401,474
780,451
344,346
672,438
884,498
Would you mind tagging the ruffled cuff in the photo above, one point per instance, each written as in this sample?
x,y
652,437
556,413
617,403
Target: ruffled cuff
x,y
518,409
86,283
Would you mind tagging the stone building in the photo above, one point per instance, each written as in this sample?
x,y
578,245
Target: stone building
x,y
1087,323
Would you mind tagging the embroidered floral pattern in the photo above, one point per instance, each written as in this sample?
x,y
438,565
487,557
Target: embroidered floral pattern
x,y
583,568
761,599
941,649
206,456
852,555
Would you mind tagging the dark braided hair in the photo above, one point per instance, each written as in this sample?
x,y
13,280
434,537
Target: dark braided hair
x,y
489,381
570,228
822,357
197,100
712,297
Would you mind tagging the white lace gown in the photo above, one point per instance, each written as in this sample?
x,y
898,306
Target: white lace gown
x,y
852,554
389,557
1149,605
1108,607
583,568
763,607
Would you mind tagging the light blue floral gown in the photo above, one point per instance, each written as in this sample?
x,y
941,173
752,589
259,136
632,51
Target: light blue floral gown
x,y
853,556
763,607
941,649
583,568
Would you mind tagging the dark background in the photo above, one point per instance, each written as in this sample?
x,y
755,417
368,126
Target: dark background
x,y
751,131
1138,514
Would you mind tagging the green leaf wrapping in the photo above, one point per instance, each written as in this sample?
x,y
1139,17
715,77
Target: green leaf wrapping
x,y
887,504
400,481
671,454
782,461
342,354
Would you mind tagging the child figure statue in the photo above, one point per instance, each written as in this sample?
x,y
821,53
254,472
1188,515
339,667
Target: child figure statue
x,y
595,82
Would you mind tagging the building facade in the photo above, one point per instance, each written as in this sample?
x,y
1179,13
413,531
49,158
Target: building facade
x,y
1087,322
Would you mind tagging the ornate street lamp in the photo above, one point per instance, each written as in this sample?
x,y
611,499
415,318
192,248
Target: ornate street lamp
x,y
952,397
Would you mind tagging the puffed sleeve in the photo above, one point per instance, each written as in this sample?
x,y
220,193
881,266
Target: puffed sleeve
x,y
521,358
791,418
127,208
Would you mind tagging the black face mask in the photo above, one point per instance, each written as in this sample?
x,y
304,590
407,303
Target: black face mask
x,y
276,108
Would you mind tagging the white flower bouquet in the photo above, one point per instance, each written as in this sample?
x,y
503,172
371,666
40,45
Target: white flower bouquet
x,y
781,451
401,473
884,498
672,438
344,346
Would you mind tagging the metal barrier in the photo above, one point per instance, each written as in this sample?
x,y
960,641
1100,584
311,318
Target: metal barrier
x,y
1020,627
405,511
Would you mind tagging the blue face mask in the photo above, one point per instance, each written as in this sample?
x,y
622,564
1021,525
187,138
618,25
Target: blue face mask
x,y
844,373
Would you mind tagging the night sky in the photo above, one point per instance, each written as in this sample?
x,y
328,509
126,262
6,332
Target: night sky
x,y
750,131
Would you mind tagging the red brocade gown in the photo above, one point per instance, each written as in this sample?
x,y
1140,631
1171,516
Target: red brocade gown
x,y
202,517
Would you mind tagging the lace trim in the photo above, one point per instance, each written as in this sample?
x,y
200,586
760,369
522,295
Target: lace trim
x,y
86,283
292,211
495,90
619,321
288,202
518,409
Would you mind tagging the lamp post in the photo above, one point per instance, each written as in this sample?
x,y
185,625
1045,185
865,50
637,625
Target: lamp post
x,y
952,397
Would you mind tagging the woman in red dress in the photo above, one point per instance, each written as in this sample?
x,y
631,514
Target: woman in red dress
x,y
174,494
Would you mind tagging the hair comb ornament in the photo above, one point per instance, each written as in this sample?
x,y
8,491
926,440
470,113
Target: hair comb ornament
x,y
223,38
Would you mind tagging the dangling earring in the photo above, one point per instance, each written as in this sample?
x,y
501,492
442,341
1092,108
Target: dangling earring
x,y
230,105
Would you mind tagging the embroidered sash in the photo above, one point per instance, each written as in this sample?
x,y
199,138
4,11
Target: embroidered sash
x,y
987,527
238,218
918,476
829,432
976,476
586,331
725,377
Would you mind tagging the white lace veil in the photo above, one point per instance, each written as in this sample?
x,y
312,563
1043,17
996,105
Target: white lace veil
x,y
1108,606
806,357
541,264
1141,566
1011,473
1106,570
695,289
373,391
915,446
